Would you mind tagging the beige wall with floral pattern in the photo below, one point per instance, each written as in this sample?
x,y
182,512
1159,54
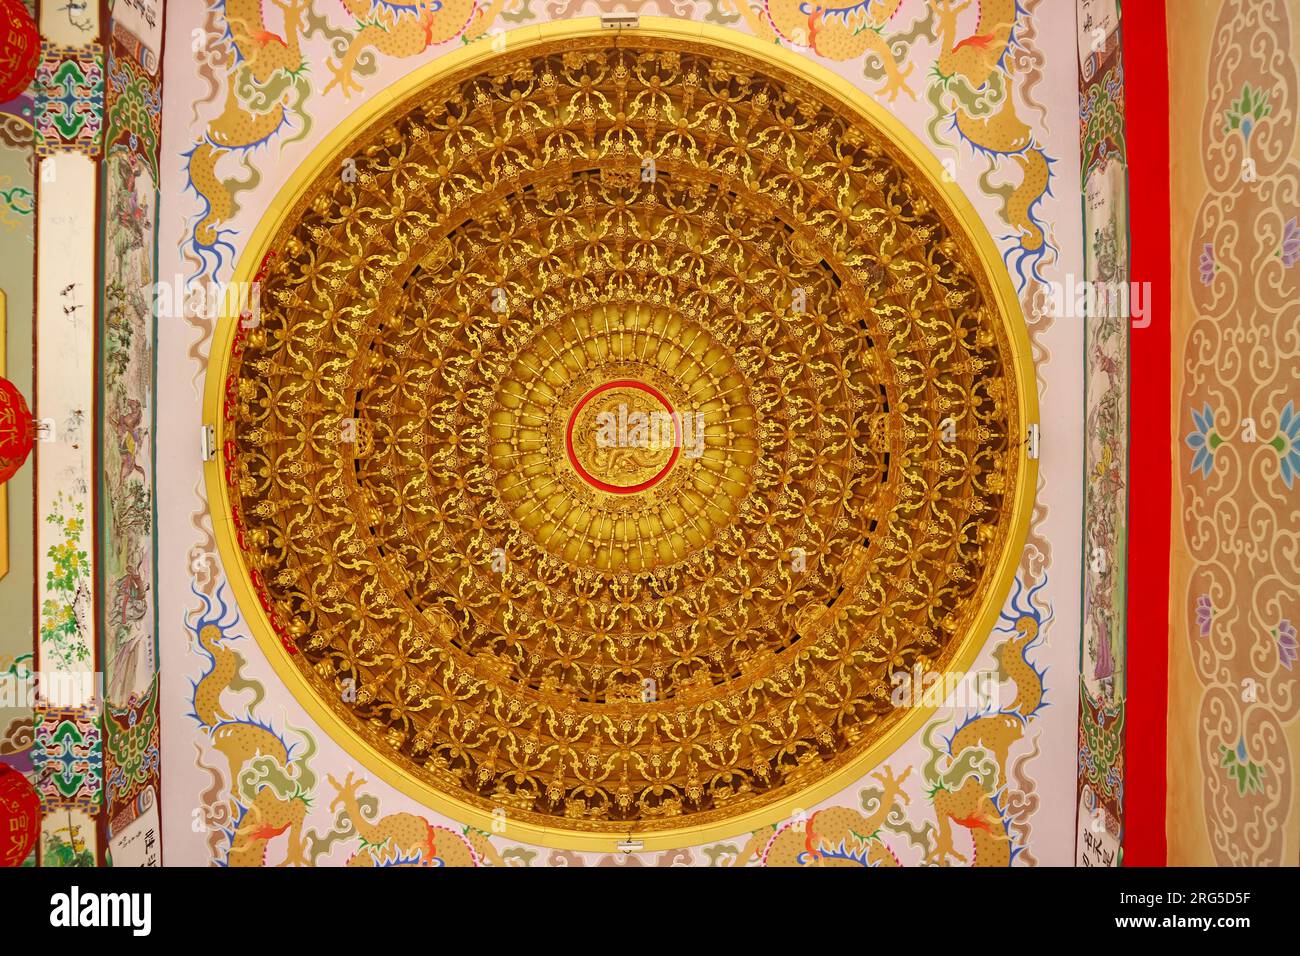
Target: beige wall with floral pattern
x,y
1234,714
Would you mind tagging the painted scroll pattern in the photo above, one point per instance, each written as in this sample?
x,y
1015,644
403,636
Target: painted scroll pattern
x,y
67,118
1102,658
127,332
66,645
96,122
1239,450
17,252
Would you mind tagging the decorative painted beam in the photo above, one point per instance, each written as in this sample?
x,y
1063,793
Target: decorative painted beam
x,y
68,122
127,333
1109,307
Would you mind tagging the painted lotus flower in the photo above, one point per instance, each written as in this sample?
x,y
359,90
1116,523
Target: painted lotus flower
x,y
1287,647
1205,441
1287,444
1208,264
1248,775
1249,109
1204,614
1290,243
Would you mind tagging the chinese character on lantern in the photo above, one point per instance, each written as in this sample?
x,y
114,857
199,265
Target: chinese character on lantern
x,y
20,49
20,816
17,429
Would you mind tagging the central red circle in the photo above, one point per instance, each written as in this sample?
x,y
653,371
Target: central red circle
x,y
604,485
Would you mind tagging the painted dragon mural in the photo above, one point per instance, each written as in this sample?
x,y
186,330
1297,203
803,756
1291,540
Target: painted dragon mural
x,y
967,780
270,800
257,808
972,86
267,82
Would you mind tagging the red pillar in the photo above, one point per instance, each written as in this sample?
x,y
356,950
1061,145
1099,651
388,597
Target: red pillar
x,y
1150,443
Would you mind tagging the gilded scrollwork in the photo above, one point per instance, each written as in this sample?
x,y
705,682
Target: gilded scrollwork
x,y
520,632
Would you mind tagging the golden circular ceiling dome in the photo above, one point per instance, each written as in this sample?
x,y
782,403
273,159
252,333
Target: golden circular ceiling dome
x,y
624,411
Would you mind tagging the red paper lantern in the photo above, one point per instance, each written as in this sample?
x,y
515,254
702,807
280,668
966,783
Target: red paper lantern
x,y
20,49
20,816
17,428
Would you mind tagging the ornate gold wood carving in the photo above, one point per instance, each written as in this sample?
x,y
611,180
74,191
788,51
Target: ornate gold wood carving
x,y
647,638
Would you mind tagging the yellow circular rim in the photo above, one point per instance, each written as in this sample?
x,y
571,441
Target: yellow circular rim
x,y
232,559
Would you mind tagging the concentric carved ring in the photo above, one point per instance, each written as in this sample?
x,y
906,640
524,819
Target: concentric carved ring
x,y
618,434
608,442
